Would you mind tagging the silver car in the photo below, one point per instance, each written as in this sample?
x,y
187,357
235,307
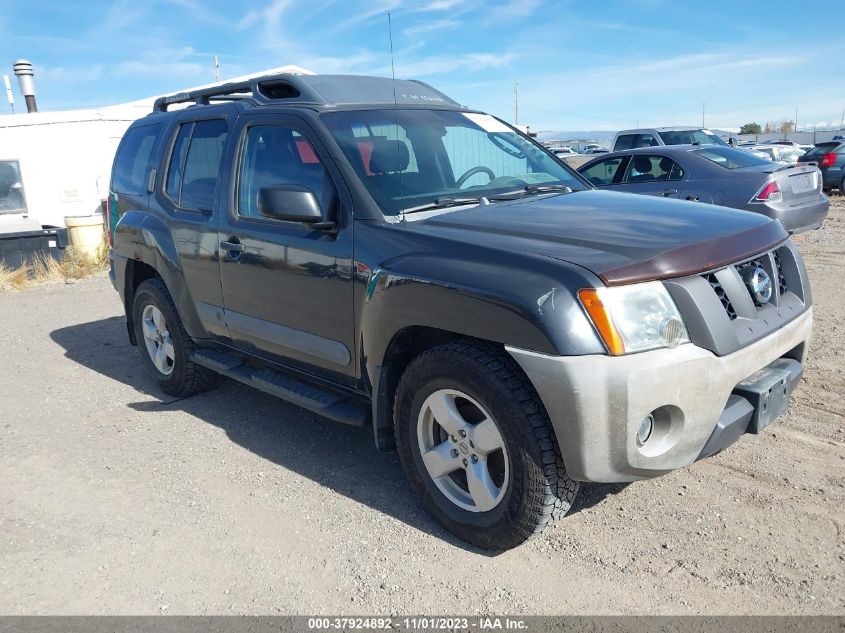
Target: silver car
x,y
717,175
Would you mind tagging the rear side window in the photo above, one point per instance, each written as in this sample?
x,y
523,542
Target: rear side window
x,y
644,168
195,164
132,162
177,162
626,141
602,173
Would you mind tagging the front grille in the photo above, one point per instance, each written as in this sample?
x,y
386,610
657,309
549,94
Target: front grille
x,y
781,276
723,297
773,263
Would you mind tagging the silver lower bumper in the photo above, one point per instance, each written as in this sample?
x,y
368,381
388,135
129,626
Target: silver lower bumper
x,y
596,403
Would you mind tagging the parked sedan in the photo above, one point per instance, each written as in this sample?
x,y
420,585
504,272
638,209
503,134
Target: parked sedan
x,y
717,175
830,157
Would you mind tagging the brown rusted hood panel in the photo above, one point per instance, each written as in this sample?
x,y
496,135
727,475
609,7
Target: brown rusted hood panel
x,y
701,256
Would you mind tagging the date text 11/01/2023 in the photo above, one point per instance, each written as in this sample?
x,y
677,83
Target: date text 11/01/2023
x,y
416,623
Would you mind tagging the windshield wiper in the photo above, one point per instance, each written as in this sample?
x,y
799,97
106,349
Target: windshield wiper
x,y
531,190
442,203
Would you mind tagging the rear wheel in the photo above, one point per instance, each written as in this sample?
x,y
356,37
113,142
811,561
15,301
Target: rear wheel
x,y
163,343
478,447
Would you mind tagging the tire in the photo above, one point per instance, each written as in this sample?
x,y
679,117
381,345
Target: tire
x,y
177,375
530,485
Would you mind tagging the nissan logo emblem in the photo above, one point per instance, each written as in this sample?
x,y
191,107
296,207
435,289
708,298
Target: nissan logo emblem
x,y
759,284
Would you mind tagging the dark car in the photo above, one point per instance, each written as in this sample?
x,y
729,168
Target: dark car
x,y
374,252
716,175
830,158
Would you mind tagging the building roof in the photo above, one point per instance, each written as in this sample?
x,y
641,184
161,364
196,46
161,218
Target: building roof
x,y
126,111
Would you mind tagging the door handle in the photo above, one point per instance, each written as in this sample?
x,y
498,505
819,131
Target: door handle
x,y
233,247
669,192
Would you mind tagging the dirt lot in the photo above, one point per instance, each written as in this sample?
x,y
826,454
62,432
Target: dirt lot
x,y
117,501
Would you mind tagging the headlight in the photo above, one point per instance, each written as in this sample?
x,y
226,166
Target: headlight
x,y
634,318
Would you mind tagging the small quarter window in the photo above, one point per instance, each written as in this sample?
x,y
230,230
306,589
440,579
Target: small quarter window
x,y
132,162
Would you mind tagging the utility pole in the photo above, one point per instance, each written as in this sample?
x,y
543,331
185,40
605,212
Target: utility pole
x,y
842,124
516,103
795,127
216,69
702,114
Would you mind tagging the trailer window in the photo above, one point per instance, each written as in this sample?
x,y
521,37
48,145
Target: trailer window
x,y
133,160
11,188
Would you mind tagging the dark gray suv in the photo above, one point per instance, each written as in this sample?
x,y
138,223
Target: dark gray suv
x,y
374,252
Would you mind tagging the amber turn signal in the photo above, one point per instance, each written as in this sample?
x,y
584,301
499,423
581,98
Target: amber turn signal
x,y
602,320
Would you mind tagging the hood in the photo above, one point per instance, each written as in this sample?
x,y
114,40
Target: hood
x,y
623,238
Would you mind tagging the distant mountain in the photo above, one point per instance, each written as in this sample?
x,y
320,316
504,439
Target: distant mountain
x,y
577,135
601,136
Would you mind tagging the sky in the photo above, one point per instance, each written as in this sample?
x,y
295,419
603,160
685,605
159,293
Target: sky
x,y
581,65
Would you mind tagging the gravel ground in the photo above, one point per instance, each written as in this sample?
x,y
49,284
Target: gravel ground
x,y
117,501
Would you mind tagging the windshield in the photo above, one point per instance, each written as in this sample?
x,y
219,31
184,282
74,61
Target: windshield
x,y
690,137
731,158
411,159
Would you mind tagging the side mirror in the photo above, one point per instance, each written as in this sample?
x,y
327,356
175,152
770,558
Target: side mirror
x,y
292,203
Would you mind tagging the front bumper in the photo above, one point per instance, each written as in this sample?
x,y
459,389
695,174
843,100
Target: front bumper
x,y
596,403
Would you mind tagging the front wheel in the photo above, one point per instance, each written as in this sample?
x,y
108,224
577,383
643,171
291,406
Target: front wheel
x,y
477,445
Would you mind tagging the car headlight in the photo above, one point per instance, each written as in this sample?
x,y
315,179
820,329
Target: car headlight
x,y
634,318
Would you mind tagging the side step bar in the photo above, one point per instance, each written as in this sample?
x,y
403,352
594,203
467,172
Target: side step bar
x,y
315,399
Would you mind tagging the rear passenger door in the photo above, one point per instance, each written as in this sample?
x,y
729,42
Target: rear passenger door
x,y
190,175
287,287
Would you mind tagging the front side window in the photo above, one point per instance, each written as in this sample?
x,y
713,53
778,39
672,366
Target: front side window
x,y
602,173
279,155
12,199
132,162
408,159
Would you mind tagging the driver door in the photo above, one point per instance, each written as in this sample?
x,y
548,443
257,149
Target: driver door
x,y
287,287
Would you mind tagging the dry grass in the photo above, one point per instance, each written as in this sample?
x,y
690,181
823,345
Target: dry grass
x,y
44,268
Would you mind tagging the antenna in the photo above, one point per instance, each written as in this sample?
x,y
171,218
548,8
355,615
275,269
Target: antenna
x,y
396,116
516,103
9,94
216,69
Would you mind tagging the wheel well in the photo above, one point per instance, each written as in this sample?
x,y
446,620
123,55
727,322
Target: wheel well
x,y
406,345
136,274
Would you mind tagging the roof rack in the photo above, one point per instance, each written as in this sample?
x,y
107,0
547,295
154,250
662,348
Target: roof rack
x,y
258,89
317,90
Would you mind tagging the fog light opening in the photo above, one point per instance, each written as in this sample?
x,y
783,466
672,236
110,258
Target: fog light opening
x,y
644,432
